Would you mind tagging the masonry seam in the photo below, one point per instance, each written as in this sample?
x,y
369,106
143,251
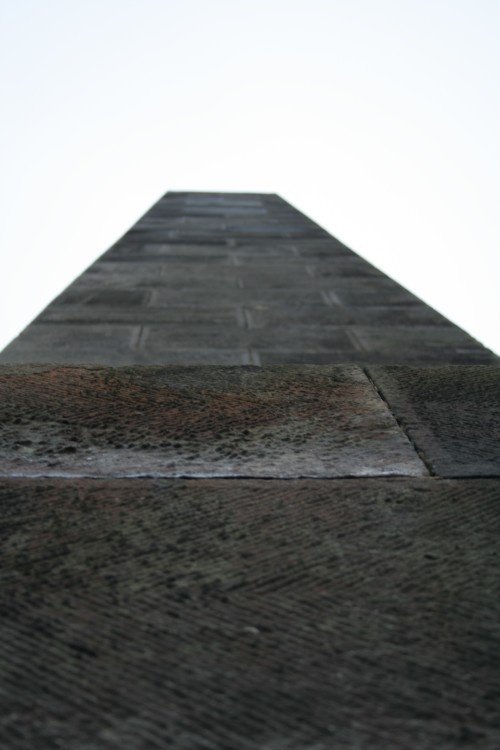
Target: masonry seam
x,y
401,425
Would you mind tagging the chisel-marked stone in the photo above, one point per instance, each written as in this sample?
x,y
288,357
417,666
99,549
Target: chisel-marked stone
x,y
198,421
249,614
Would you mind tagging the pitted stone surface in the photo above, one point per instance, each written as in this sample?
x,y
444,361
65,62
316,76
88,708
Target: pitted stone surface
x,y
283,283
452,414
248,614
198,421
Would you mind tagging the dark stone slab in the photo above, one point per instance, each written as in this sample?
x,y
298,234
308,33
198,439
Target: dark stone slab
x,y
170,271
306,339
73,344
185,355
159,339
371,292
118,298
249,614
205,296
403,344
220,211
267,316
103,272
168,253
343,267
271,250
146,314
146,279
324,249
292,276
452,414
198,421
300,357
122,276
281,355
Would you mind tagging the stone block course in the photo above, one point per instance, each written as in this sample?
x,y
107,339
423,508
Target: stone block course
x,y
198,421
237,296
312,339
74,343
372,292
232,252
162,338
146,314
267,316
166,252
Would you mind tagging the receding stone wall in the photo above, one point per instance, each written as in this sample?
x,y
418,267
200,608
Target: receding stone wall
x,y
233,279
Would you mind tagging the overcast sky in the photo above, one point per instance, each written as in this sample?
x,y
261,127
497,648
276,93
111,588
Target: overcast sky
x,y
380,119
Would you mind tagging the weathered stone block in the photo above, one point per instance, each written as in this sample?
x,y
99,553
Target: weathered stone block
x,y
452,414
198,421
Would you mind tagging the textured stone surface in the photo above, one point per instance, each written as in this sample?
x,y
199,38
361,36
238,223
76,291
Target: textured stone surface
x,y
451,413
198,421
272,285
246,613
256,615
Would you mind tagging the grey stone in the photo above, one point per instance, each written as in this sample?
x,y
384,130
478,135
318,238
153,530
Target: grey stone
x,y
306,339
452,414
300,357
343,267
73,344
267,316
198,421
162,252
165,338
249,614
205,296
371,292
150,314
420,344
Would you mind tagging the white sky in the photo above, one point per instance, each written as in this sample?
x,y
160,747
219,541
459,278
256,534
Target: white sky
x,y
380,119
